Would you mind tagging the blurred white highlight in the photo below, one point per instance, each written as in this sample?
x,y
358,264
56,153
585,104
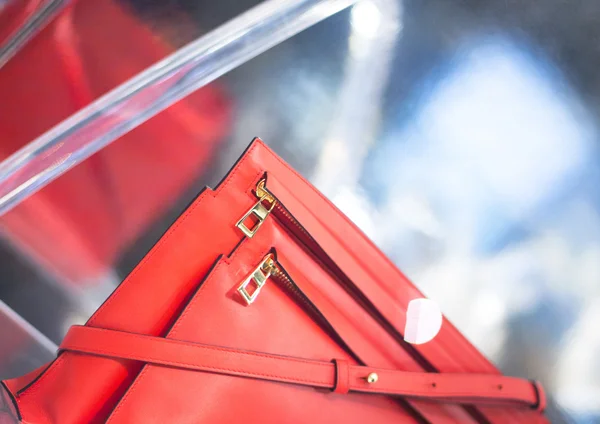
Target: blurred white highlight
x,y
365,19
423,321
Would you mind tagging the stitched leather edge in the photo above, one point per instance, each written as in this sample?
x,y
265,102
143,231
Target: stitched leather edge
x,y
34,386
131,389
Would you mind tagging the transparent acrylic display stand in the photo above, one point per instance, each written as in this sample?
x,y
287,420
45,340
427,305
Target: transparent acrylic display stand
x,y
23,346
155,89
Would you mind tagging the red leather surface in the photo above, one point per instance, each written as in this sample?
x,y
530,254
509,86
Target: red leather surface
x,y
276,327
17,383
361,332
341,383
337,375
280,326
176,292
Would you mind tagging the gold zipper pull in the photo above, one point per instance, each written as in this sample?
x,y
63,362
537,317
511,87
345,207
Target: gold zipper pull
x,y
259,211
262,191
259,277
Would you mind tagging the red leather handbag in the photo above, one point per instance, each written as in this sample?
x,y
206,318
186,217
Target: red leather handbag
x,y
263,304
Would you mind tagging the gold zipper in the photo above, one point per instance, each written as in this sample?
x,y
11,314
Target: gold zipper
x,y
291,286
259,277
268,268
261,212
261,190
258,211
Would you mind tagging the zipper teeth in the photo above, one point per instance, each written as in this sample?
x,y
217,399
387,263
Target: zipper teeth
x,y
290,218
275,267
276,270
280,275
261,186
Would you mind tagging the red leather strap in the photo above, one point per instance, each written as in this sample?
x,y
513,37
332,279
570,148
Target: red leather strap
x,y
541,395
342,376
338,375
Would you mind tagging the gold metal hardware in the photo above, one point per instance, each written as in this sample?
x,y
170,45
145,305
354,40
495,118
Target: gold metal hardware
x,y
259,210
372,378
259,277
262,191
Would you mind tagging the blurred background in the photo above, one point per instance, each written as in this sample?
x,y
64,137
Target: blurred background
x,y
462,137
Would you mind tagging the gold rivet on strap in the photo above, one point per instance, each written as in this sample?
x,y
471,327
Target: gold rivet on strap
x,y
372,378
